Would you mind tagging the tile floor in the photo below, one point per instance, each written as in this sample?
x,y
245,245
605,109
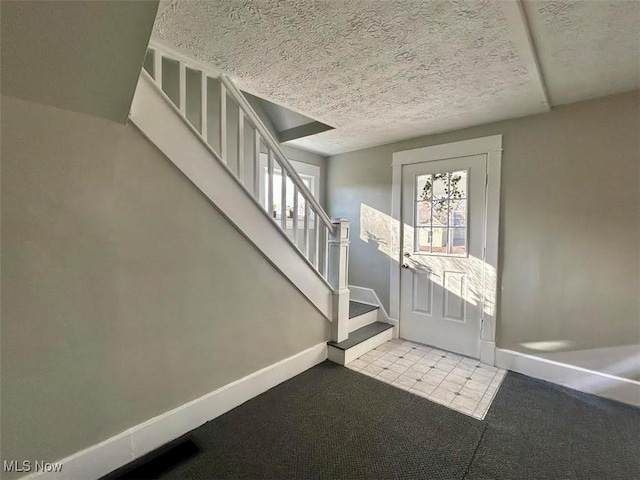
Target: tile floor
x,y
458,382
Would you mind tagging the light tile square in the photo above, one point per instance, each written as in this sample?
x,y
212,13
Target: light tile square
x,y
373,369
424,387
357,364
474,385
388,375
449,386
404,362
443,394
405,380
474,395
382,363
395,367
465,403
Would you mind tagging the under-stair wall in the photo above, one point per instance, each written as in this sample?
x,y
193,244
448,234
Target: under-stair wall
x,y
125,292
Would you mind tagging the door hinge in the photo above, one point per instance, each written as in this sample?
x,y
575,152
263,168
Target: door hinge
x,y
486,179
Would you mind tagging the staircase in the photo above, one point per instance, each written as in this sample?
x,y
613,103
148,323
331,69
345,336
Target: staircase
x,y
204,124
365,334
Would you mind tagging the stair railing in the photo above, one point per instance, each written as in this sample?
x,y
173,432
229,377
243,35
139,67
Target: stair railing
x,y
225,121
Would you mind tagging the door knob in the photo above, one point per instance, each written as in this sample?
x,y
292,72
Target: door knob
x,y
404,265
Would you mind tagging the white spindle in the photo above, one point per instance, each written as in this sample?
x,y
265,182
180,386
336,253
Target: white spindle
x,y
316,228
305,243
182,84
283,199
157,67
325,257
241,146
223,122
295,215
204,129
256,165
269,206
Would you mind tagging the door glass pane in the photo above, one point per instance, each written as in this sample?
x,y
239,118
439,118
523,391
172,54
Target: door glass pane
x,y
458,242
458,213
441,213
423,217
439,240
423,239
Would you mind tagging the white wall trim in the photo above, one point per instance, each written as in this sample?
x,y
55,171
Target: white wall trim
x,y
491,146
370,297
577,378
160,121
463,148
104,457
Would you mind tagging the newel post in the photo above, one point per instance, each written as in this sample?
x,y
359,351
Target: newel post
x,y
338,276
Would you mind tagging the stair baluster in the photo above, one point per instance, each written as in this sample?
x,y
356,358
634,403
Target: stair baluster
x,y
329,252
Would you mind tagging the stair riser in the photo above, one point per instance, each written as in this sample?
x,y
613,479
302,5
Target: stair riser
x,y
342,357
362,320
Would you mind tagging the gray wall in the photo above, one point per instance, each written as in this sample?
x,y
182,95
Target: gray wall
x,y
124,292
570,221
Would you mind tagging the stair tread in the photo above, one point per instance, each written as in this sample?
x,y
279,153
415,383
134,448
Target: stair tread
x,y
361,334
356,308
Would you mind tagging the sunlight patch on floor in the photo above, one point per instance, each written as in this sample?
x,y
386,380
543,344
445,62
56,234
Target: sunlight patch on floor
x,y
460,383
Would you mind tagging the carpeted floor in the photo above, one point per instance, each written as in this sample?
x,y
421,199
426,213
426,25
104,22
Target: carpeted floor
x,y
331,422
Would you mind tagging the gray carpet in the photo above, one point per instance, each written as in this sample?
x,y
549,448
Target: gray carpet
x,y
331,422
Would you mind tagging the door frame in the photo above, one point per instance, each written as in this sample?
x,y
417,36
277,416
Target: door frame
x,y
490,146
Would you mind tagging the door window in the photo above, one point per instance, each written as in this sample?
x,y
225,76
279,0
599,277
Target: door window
x,y
441,213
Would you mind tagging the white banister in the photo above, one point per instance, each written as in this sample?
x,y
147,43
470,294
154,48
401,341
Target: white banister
x,y
294,222
241,175
256,165
330,250
269,206
157,68
316,256
325,257
182,86
305,241
223,123
338,277
273,145
283,199
204,114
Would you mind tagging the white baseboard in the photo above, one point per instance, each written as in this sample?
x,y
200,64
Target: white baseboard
x,y
102,458
577,378
370,297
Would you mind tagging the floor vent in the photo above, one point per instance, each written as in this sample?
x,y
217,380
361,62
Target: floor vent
x,y
158,462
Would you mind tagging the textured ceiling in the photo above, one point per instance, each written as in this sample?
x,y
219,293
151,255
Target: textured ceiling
x,y
378,71
586,49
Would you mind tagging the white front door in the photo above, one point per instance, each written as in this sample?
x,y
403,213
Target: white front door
x,y
443,272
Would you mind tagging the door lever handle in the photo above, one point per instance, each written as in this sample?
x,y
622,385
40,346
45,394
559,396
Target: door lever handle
x,y
404,265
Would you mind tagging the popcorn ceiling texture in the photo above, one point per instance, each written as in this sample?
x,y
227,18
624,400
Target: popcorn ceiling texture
x,y
587,49
377,71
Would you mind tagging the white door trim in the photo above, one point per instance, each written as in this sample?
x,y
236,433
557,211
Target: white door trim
x,y
490,146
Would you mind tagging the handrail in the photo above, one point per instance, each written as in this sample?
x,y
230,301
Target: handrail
x,y
335,257
273,145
